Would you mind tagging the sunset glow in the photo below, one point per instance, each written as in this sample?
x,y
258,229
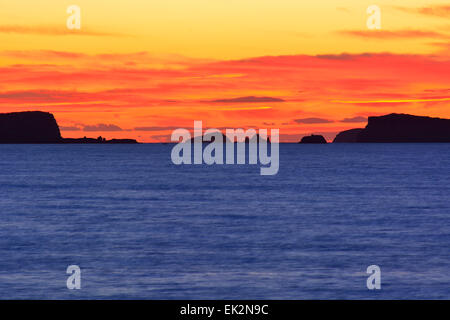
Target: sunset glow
x,y
140,69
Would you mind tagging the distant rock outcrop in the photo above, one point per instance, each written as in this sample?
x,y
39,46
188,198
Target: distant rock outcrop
x,y
98,140
399,128
209,137
313,139
29,127
348,136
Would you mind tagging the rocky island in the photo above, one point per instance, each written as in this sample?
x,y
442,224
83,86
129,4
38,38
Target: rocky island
x,y
39,127
395,127
313,139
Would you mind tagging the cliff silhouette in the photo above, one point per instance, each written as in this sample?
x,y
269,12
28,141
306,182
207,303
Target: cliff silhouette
x,y
39,127
348,136
29,127
395,127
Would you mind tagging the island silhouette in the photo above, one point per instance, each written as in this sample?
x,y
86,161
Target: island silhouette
x,y
392,128
396,127
40,127
313,139
208,138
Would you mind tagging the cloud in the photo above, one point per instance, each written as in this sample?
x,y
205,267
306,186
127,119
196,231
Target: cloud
x,y
42,54
444,90
397,34
423,99
162,137
312,120
250,99
435,11
52,31
45,96
131,60
102,127
354,120
242,109
444,47
156,128
26,95
62,128
342,56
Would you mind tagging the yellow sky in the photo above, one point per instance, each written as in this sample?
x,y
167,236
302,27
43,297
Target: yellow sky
x,y
220,29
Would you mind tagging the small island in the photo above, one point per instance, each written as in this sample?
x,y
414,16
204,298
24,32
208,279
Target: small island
x,y
313,139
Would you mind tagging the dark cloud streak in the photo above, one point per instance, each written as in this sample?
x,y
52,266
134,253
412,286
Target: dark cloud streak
x,y
102,127
250,99
312,121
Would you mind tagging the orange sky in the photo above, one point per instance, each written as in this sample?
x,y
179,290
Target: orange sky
x,y
139,69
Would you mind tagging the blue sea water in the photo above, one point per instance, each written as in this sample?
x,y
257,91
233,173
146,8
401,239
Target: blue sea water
x,y
140,227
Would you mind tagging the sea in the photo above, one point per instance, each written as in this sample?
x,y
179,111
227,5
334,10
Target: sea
x,y
140,227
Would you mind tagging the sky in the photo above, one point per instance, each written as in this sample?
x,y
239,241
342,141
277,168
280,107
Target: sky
x,y
142,68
